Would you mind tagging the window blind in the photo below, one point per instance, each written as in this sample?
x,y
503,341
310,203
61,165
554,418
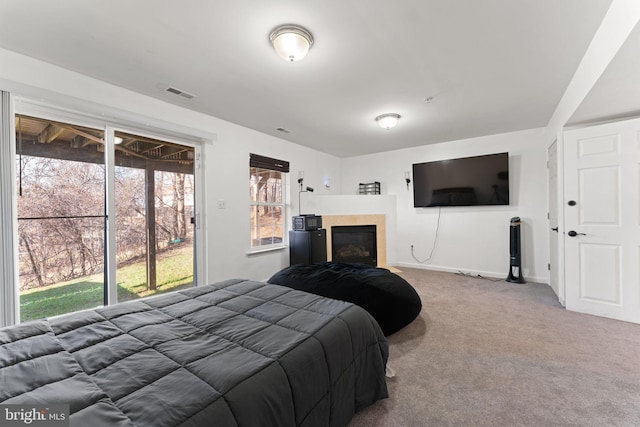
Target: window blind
x,y
257,161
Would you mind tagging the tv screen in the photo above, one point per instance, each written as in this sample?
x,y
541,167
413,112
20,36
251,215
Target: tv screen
x,y
469,181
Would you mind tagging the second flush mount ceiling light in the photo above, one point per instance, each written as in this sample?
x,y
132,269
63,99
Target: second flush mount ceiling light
x,y
387,121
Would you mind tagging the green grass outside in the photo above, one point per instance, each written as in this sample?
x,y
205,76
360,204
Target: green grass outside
x,y
174,272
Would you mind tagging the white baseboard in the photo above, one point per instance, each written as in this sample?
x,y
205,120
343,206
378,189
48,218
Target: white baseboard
x,y
491,274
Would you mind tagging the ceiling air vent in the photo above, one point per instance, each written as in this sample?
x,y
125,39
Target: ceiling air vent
x,y
283,130
179,92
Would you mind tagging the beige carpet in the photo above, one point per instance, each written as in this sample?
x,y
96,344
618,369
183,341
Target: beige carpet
x,y
486,353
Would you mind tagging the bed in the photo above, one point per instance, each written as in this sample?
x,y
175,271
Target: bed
x,y
235,353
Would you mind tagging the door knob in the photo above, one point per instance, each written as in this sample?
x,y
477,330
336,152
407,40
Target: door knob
x,y
571,203
574,234
555,229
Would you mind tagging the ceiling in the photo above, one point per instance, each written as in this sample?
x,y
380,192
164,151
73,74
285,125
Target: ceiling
x,y
453,69
616,94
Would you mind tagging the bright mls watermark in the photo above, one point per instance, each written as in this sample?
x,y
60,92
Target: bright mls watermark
x,y
34,415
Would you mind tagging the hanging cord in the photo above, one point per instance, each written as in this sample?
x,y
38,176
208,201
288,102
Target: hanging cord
x,y
435,241
20,154
478,276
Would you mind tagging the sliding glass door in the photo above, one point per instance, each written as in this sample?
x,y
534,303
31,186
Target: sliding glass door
x,y
65,249
61,217
154,205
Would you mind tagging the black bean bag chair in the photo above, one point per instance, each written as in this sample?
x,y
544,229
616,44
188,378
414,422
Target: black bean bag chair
x,y
389,298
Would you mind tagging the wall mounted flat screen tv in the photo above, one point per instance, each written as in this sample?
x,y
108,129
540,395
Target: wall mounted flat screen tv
x,y
468,181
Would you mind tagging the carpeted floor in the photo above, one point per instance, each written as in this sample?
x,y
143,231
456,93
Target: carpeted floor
x,y
492,353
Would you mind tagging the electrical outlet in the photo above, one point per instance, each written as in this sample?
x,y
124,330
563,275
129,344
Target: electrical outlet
x,y
222,204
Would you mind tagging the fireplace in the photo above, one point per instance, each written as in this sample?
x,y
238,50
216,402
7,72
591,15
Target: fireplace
x,y
354,243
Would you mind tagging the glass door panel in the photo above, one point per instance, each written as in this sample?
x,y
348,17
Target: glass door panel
x,y
61,217
154,198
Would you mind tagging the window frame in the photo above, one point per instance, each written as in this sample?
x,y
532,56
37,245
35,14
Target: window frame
x,y
279,166
9,295
87,116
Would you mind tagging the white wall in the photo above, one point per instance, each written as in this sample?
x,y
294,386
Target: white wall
x,y
227,177
225,156
471,239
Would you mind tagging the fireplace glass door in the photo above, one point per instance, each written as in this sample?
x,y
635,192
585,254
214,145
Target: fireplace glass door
x,y
354,243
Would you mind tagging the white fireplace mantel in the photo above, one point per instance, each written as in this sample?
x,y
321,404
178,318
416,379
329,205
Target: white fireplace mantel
x,y
365,207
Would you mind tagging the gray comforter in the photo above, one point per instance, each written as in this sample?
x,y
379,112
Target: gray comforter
x,y
236,353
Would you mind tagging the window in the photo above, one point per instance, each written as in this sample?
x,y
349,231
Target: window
x,y
267,179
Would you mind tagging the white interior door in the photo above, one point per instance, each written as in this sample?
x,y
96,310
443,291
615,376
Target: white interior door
x,y
552,156
601,220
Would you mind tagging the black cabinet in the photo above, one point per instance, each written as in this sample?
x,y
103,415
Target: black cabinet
x,y
307,247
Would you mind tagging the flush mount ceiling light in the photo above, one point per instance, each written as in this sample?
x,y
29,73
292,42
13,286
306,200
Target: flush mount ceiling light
x,y
291,42
387,121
